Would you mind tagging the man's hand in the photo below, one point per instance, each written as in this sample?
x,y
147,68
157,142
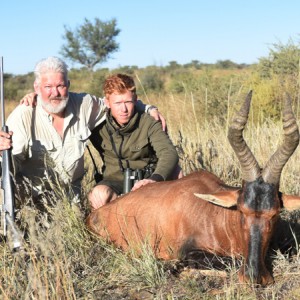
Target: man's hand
x,y
101,195
29,100
154,113
5,140
142,182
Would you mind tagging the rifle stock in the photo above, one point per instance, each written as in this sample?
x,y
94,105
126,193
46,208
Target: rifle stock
x,y
8,198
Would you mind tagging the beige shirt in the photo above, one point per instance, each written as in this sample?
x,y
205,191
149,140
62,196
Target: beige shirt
x,y
38,149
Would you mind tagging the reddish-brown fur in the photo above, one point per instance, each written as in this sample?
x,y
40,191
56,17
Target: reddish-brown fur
x,y
134,217
171,218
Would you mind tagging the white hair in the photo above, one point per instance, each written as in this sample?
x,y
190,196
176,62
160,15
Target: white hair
x,y
53,64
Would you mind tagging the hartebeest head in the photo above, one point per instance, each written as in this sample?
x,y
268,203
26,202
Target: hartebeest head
x,y
258,200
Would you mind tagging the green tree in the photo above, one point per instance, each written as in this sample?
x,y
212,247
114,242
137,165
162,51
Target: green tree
x,y
193,64
225,64
173,65
91,44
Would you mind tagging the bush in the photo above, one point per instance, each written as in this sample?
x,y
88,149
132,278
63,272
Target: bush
x,y
282,60
16,87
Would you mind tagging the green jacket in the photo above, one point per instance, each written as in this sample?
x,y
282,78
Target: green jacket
x,y
140,143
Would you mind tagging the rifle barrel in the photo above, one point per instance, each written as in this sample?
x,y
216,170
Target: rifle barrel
x,y
8,205
2,92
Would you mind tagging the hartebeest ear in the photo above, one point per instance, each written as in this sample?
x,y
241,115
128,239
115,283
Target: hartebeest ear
x,y
290,202
223,198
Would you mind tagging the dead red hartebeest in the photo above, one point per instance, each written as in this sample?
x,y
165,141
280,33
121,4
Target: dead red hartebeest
x,y
200,212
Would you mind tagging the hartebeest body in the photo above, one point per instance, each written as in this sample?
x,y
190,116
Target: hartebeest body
x,y
200,212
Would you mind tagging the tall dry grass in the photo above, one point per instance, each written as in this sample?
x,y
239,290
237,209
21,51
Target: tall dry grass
x,y
62,260
202,140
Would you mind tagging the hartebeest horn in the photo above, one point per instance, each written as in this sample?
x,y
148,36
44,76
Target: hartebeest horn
x,y
249,165
272,171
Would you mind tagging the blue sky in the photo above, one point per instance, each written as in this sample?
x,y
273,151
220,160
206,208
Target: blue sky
x,y
153,32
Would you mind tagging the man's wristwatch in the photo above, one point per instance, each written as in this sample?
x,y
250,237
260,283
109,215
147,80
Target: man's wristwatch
x,y
150,108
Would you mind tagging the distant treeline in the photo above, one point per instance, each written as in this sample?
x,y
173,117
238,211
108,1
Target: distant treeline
x,y
91,81
215,88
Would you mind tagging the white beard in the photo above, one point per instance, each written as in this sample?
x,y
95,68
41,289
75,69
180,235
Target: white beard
x,y
53,109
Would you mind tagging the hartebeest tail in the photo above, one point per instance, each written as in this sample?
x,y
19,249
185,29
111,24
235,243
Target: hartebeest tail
x,y
200,212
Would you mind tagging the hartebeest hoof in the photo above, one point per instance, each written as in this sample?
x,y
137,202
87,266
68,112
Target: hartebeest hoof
x,y
262,279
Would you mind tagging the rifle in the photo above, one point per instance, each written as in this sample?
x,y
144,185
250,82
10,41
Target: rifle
x,y
7,209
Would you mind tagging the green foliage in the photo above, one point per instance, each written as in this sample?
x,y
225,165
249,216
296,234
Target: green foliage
x,y
173,65
91,44
15,87
95,86
151,79
226,64
208,89
273,76
182,80
213,89
282,60
193,64
129,70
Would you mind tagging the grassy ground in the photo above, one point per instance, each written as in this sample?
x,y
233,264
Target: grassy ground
x,y
62,260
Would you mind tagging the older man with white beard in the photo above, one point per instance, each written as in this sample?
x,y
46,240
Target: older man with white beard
x,y
48,141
